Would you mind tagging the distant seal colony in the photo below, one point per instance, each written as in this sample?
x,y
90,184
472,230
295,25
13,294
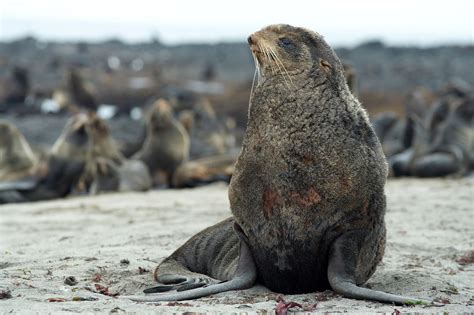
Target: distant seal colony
x,y
25,177
86,138
307,194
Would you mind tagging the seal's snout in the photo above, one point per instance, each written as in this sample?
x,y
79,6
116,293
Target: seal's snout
x,y
250,40
254,43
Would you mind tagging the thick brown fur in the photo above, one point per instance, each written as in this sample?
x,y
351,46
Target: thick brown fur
x,y
166,144
86,138
307,194
311,168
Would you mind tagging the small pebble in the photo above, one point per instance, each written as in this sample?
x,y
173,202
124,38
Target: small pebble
x,y
71,280
142,270
5,294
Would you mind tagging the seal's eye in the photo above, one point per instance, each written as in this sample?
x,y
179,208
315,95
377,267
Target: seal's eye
x,y
285,42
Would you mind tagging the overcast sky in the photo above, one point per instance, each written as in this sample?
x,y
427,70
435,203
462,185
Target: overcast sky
x,y
422,22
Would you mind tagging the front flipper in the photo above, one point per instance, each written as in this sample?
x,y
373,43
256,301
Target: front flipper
x,y
342,270
178,287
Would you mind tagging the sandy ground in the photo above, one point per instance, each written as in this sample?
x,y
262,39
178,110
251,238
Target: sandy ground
x,y
112,243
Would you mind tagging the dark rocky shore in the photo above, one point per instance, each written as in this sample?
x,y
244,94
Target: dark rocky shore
x,y
131,75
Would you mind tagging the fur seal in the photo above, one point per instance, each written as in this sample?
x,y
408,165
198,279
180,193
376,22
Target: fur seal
x,y
394,133
81,93
86,138
166,144
15,89
186,118
55,178
25,177
210,136
76,93
397,134
307,194
204,171
443,141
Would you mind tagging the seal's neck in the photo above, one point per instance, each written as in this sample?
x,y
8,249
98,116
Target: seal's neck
x,y
308,93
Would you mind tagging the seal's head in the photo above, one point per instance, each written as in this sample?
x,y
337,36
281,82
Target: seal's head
x,y
82,132
77,131
285,50
160,115
86,138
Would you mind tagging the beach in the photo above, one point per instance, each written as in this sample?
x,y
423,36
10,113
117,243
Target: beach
x,y
80,254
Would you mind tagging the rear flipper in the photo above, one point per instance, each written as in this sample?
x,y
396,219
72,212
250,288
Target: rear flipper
x,y
186,285
182,280
437,164
342,272
19,185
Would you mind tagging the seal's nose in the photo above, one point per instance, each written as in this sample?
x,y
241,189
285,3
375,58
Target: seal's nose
x,y
250,40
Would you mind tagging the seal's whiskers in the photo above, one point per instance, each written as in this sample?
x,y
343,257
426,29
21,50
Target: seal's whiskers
x,y
278,60
253,84
281,71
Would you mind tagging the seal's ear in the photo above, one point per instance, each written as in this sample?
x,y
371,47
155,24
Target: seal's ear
x,y
325,65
